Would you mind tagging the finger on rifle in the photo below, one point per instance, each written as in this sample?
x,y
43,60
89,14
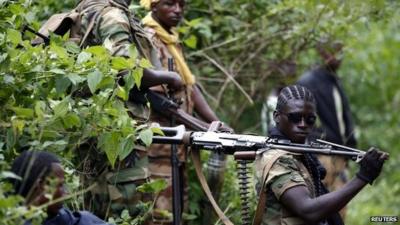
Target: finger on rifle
x,y
214,126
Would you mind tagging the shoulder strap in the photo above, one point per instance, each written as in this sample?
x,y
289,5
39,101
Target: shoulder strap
x,y
206,188
263,194
91,24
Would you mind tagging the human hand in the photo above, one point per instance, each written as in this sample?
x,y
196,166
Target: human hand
x,y
371,165
225,128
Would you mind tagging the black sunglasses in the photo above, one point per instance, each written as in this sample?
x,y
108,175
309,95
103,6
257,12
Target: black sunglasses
x,y
310,119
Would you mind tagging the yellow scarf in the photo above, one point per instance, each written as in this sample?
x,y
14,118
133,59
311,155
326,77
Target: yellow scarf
x,y
171,40
147,3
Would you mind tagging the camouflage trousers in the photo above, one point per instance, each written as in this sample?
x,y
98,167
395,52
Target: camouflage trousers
x,y
115,190
336,174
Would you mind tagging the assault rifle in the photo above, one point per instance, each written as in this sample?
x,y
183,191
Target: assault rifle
x,y
248,146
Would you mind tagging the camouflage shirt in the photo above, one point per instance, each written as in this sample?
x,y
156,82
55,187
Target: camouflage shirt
x,y
287,171
112,25
111,22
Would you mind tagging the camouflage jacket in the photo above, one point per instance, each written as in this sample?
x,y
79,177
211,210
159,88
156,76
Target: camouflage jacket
x,y
112,21
287,171
112,25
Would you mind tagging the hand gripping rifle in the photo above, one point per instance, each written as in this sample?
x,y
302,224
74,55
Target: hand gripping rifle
x,y
245,148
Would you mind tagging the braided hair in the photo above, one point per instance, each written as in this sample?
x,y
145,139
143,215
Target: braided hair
x,y
294,92
314,167
31,166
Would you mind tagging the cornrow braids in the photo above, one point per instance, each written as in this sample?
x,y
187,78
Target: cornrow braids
x,y
294,92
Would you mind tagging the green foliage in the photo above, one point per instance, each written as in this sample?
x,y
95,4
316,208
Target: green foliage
x,y
11,210
57,97
46,99
370,74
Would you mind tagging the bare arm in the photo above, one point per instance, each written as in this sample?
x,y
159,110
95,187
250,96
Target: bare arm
x,y
298,200
156,77
201,106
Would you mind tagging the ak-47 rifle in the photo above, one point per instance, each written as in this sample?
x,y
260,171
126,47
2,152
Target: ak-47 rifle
x,y
245,148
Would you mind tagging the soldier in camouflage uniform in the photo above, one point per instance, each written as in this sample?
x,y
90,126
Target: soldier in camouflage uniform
x,y
292,182
160,24
115,189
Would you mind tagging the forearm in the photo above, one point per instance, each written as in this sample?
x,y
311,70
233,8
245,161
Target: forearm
x,y
152,78
201,106
316,209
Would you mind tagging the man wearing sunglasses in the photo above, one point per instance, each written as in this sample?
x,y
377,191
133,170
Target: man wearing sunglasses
x,y
290,187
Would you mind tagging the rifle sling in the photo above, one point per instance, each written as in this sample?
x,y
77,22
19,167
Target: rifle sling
x,y
263,194
197,165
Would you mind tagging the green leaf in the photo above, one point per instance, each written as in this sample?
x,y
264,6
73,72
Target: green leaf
x,y
8,79
83,57
121,63
72,47
57,71
137,76
194,22
23,112
7,174
59,51
71,120
129,80
146,136
39,108
75,78
157,130
18,125
122,93
97,50
153,187
126,147
106,82
10,139
61,108
191,41
93,80
144,63
62,84
108,142
14,36
16,9
111,111
133,52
